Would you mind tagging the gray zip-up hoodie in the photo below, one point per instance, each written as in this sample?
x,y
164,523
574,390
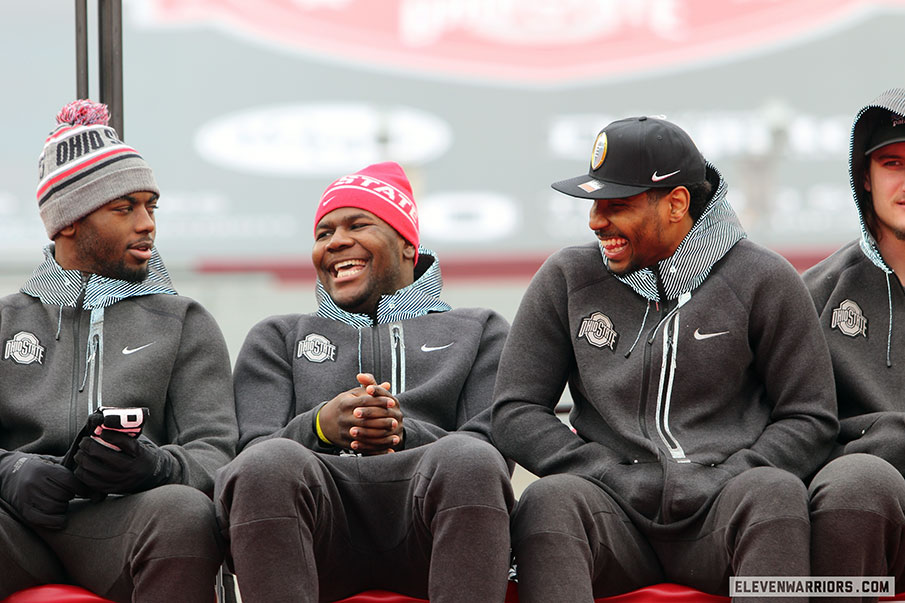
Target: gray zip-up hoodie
x,y
862,312
682,376
72,343
441,364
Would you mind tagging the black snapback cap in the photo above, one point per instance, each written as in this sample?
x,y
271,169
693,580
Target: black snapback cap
x,y
636,154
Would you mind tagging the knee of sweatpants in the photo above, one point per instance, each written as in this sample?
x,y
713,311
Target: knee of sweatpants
x,y
177,521
463,470
264,467
266,480
861,482
767,493
558,503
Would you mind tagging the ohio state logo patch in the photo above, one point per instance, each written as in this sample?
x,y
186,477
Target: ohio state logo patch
x,y
24,348
598,330
849,319
316,348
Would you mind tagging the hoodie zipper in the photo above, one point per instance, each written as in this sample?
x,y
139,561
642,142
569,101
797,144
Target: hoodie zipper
x,y
670,322
74,422
397,351
645,371
667,378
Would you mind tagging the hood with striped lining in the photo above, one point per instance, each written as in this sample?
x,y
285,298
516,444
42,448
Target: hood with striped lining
x,y
712,235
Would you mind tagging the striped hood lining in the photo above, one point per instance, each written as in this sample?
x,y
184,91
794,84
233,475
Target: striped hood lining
x,y
713,234
891,100
58,287
419,298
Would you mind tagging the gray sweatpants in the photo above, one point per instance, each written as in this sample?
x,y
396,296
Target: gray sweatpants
x,y
857,520
573,542
428,522
157,546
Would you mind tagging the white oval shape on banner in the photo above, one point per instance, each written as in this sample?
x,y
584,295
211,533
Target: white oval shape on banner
x,y
466,217
326,139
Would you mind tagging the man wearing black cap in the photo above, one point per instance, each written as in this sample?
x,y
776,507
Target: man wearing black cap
x,y
858,499
701,384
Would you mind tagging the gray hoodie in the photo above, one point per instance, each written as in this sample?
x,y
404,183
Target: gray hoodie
x,y
441,364
72,343
862,312
682,375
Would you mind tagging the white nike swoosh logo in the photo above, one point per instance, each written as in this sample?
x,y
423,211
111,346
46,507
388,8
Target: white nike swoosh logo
x,y
656,178
700,336
127,351
427,348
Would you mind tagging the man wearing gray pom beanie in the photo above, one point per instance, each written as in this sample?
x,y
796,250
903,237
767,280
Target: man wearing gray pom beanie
x,y
97,329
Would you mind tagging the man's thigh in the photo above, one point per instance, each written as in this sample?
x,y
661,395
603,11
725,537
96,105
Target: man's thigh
x,y
24,557
106,542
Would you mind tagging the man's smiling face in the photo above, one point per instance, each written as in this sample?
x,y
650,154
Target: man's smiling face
x,y
359,257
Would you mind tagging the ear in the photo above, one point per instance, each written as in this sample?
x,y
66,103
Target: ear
x,y
679,199
68,231
867,180
408,251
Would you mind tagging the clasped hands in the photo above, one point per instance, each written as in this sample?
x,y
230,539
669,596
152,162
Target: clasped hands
x,y
366,419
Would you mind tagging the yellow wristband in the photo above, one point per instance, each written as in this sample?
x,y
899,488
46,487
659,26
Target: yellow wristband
x,y
317,426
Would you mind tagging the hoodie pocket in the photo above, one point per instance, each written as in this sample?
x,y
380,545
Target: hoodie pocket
x,y
689,488
637,484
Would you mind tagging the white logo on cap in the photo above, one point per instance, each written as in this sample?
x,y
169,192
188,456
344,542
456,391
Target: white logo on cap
x,y
379,188
590,186
655,178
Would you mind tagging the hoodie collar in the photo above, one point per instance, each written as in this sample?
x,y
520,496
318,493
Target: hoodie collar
x,y
712,235
55,286
891,100
417,299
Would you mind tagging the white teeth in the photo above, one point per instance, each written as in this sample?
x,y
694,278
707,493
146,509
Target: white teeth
x,y
348,267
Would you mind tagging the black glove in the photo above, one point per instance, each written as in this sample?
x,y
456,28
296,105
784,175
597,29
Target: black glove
x,y
138,465
37,488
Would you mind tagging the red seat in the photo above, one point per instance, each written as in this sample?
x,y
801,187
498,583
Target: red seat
x,y
55,593
660,593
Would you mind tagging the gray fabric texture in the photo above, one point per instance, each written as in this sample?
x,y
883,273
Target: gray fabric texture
x,y
158,546
565,530
431,522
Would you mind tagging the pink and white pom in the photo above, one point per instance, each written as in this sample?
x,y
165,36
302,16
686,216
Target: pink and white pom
x,y
84,112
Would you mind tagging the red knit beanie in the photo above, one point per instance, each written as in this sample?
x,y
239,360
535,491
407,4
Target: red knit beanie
x,y
381,189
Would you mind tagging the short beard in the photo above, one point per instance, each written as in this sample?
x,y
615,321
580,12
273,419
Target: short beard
x,y
96,256
120,271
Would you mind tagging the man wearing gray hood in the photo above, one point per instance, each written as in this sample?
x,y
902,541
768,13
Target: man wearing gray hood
x,y
99,324
857,500
702,388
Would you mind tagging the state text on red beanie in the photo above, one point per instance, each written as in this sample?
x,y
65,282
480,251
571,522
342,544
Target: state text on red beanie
x,y
382,189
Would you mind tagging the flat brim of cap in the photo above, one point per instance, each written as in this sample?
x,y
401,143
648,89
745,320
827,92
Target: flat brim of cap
x,y
883,144
586,187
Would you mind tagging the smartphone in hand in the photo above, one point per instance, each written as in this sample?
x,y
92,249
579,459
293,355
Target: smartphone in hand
x,y
125,420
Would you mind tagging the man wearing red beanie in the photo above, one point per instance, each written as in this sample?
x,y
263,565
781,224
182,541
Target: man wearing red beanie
x,y
366,459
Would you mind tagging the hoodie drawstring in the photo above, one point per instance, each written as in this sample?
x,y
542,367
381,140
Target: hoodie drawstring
x,y
889,333
94,359
59,323
641,330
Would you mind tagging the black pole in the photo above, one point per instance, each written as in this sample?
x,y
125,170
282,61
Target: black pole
x,y
110,48
81,49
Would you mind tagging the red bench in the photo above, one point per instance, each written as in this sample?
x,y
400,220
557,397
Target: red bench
x,y
659,593
665,593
